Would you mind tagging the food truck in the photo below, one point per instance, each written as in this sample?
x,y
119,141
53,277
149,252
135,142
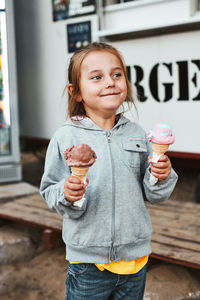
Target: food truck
x,y
159,39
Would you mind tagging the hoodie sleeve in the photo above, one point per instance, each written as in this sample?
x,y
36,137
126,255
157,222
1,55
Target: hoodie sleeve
x,y
162,190
52,184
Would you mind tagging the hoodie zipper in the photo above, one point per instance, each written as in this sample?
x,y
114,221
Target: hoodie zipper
x,y
112,252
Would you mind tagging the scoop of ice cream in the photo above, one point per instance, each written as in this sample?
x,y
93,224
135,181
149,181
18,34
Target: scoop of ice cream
x,y
161,134
80,155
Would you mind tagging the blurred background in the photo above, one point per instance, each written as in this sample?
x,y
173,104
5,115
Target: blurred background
x,y
160,42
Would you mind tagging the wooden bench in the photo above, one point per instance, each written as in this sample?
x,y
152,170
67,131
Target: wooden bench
x,y
176,232
176,225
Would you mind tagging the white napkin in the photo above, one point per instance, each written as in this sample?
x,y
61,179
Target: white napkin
x,y
155,159
80,202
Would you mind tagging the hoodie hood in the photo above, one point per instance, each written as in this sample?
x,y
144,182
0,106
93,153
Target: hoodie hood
x,y
87,123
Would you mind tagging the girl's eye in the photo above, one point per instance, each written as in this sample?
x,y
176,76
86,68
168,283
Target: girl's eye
x,y
96,77
117,75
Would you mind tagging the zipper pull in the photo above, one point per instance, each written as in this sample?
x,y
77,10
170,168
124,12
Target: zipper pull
x,y
108,135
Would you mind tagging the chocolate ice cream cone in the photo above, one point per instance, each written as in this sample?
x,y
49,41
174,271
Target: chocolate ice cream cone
x,y
80,172
159,149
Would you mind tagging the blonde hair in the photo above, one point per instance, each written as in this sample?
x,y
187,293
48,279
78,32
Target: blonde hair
x,y
74,72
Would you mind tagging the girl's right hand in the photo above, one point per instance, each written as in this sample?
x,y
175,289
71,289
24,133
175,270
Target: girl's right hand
x,y
74,189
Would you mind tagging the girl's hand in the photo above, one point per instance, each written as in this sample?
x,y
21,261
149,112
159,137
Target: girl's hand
x,y
162,168
74,188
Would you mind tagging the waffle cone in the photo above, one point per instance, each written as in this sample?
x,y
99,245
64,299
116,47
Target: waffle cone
x,y
80,172
159,149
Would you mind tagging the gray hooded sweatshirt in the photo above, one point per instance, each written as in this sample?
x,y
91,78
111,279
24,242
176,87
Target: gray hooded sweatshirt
x,y
113,222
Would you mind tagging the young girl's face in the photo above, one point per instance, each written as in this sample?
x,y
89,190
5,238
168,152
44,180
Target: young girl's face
x,y
102,84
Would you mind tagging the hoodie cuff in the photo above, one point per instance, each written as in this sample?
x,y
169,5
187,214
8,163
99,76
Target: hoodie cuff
x,y
162,189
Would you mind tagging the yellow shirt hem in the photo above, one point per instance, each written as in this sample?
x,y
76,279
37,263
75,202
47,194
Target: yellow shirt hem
x,y
122,267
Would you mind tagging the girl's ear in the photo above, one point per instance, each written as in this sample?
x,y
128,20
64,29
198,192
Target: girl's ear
x,y
70,89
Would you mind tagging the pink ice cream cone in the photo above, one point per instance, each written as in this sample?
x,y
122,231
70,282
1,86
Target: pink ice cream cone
x,y
161,137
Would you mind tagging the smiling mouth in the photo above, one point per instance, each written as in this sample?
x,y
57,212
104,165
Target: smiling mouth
x,y
110,94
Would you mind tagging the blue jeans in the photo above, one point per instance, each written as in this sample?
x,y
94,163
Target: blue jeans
x,y
86,281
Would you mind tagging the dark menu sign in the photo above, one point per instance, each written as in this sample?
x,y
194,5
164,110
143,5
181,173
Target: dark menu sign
x,y
64,9
78,35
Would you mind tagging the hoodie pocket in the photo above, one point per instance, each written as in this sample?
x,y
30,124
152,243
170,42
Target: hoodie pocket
x,y
132,151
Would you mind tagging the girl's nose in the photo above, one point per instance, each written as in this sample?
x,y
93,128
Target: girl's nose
x,y
109,82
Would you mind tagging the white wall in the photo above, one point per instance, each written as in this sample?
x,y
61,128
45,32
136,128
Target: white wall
x,y
182,115
42,68
41,58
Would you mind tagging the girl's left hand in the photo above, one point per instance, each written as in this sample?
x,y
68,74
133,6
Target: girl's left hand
x,y
162,168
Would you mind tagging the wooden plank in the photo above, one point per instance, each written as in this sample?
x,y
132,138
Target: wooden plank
x,y
45,225
191,218
176,224
189,235
34,200
176,253
181,217
32,218
15,190
25,212
30,204
173,203
176,241
175,261
171,211
32,210
175,206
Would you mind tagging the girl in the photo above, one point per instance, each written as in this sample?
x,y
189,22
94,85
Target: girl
x,y
107,237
